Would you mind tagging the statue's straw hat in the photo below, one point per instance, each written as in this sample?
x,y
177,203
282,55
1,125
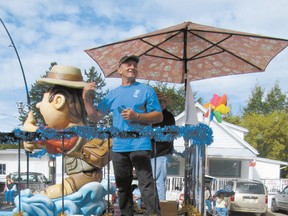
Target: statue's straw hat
x,y
62,75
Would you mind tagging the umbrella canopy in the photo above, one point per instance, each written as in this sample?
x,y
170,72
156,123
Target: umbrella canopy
x,y
190,51
226,193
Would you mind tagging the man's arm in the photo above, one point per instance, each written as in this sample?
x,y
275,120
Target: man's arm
x,y
92,113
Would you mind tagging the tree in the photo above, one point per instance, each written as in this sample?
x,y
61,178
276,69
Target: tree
x,y
266,119
236,120
97,96
94,76
268,134
255,102
274,100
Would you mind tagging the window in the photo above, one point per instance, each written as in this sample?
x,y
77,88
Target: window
x,y
252,188
225,168
173,167
2,169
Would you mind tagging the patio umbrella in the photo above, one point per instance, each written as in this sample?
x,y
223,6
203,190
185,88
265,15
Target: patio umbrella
x,y
226,193
190,51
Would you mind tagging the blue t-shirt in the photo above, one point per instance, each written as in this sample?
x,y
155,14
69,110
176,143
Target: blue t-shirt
x,y
139,97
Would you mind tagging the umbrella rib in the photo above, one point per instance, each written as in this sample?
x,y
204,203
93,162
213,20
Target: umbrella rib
x,y
213,45
136,38
162,57
220,47
240,34
195,56
157,47
190,29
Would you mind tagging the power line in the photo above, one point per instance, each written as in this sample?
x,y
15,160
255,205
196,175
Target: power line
x,y
3,114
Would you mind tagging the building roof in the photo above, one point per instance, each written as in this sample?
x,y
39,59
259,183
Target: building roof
x,y
266,160
228,138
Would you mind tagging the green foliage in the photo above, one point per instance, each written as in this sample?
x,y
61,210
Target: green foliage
x,y
175,96
275,100
97,96
94,76
266,118
268,134
255,104
8,146
236,120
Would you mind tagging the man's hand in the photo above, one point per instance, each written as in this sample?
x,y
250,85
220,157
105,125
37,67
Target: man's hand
x,y
87,88
92,113
129,114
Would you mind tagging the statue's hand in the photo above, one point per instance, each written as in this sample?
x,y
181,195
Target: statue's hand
x,y
30,123
29,146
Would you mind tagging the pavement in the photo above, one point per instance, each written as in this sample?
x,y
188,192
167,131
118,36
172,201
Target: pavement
x,y
280,213
7,211
4,209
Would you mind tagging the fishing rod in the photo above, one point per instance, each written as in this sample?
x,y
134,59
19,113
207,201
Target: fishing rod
x,y
27,93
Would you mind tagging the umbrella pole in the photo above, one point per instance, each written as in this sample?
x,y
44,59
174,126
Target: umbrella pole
x,y
190,178
195,174
188,161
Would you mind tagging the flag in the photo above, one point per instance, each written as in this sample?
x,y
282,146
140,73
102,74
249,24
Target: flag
x,y
190,109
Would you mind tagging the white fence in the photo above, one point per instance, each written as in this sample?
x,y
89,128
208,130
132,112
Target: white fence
x,y
176,184
275,185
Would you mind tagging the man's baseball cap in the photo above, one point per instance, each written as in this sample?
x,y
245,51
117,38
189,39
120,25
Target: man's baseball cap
x,y
127,57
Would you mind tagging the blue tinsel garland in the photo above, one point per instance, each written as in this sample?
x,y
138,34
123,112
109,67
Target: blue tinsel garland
x,y
200,134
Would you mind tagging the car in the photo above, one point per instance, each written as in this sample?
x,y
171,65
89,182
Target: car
x,y
250,196
37,181
280,201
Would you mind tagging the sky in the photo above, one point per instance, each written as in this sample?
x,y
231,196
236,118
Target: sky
x,y
45,31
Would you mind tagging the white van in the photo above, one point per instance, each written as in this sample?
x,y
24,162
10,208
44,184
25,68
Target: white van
x,y
250,197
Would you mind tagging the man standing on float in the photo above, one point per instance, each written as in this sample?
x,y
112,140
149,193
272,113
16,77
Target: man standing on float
x,y
133,105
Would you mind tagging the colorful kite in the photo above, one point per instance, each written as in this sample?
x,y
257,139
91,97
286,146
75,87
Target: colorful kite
x,y
216,107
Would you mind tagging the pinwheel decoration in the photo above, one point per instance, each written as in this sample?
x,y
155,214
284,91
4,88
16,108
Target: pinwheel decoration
x,y
217,107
